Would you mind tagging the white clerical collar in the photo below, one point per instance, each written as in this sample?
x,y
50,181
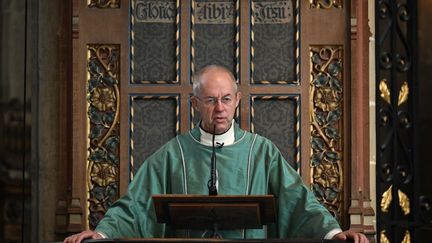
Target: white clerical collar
x,y
226,138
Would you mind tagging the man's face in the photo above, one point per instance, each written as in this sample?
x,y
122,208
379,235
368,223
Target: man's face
x,y
217,101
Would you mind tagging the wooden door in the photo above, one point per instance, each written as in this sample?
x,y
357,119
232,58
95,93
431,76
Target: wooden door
x,y
131,87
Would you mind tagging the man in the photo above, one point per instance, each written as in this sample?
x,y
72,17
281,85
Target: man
x,y
248,164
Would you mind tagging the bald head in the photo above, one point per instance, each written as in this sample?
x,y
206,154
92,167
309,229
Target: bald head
x,y
199,77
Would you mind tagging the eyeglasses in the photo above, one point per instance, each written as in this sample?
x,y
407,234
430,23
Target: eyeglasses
x,y
212,101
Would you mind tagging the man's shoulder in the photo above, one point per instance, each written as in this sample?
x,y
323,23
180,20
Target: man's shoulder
x,y
258,138
261,139
178,141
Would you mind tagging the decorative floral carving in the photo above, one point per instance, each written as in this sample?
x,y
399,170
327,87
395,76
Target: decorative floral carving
x,y
103,3
326,99
103,174
326,122
326,175
103,134
325,4
103,98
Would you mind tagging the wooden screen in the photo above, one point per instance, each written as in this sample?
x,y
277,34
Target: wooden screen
x,y
132,66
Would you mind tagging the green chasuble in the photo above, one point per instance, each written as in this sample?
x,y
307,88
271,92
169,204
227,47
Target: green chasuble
x,y
252,165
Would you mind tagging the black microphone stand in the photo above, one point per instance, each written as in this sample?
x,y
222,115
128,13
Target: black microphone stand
x,y
212,185
213,176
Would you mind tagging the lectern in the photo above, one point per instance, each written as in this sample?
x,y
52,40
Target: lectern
x,y
214,213
202,212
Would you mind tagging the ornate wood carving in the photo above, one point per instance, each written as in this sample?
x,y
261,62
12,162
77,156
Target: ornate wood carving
x,y
325,4
103,103
103,3
237,31
326,90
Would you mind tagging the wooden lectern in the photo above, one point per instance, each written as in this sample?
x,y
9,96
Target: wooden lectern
x,y
202,212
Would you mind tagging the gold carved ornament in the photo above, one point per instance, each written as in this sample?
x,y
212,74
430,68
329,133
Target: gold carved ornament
x,y
407,237
103,3
325,4
404,202
385,92
103,110
403,93
383,237
326,122
386,199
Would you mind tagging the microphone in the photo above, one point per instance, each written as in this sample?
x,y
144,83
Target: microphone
x,y
213,177
220,145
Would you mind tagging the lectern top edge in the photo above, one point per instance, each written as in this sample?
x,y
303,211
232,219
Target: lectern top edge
x,y
228,212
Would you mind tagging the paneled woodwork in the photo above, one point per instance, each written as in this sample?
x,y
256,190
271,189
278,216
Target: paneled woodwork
x,y
278,51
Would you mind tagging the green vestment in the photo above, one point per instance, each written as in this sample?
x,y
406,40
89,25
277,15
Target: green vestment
x,y
252,165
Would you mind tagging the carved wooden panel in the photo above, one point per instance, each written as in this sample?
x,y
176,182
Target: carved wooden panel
x,y
154,41
326,4
154,121
103,111
274,41
277,118
103,4
164,42
326,98
214,34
